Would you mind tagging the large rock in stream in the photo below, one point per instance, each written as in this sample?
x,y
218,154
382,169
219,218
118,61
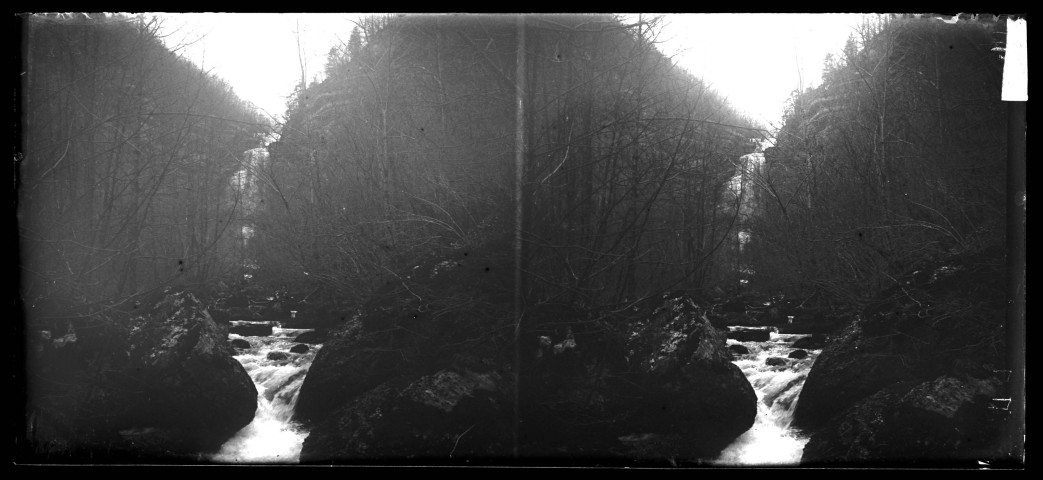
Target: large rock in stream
x,y
437,417
691,387
942,422
908,382
415,325
161,386
189,382
251,329
750,334
427,373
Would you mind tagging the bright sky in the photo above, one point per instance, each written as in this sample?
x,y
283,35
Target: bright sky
x,y
757,60
752,59
257,53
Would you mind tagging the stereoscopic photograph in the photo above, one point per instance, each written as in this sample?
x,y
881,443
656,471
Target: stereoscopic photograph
x,y
524,240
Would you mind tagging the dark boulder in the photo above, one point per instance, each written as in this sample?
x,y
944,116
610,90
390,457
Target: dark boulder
x,y
239,343
729,319
251,329
278,356
449,414
186,376
798,354
414,325
748,334
691,387
300,348
162,385
885,388
738,349
855,365
813,342
220,315
313,337
775,361
940,423
346,367
664,371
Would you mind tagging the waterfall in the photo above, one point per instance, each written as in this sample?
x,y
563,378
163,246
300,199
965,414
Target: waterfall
x,y
272,437
771,441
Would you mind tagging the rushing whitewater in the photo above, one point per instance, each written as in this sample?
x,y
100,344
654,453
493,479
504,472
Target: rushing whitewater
x,y
272,437
771,441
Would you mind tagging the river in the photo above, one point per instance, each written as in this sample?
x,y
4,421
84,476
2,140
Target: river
x,y
771,441
272,437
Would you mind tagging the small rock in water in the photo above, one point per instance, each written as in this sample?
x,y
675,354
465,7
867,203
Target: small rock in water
x,y
814,342
775,361
315,336
300,348
750,334
239,343
798,354
252,329
738,349
277,356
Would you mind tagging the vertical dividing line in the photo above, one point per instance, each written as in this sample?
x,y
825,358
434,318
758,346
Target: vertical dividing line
x,y
519,206
1016,133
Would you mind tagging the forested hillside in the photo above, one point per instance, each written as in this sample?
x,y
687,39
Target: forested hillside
x,y
407,149
897,157
124,185
883,205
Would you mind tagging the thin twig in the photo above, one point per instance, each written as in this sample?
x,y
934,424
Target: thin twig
x,y
458,437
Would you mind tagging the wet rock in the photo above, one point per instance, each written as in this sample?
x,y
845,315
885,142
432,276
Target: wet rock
x,y
239,343
798,354
313,337
165,377
897,383
398,333
813,342
300,348
738,349
220,315
346,367
278,356
942,423
185,375
449,414
856,364
729,319
775,361
691,387
749,334
586,380
251,329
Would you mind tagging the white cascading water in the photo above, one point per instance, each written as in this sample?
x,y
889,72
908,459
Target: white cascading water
x,y
771,441
272,437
